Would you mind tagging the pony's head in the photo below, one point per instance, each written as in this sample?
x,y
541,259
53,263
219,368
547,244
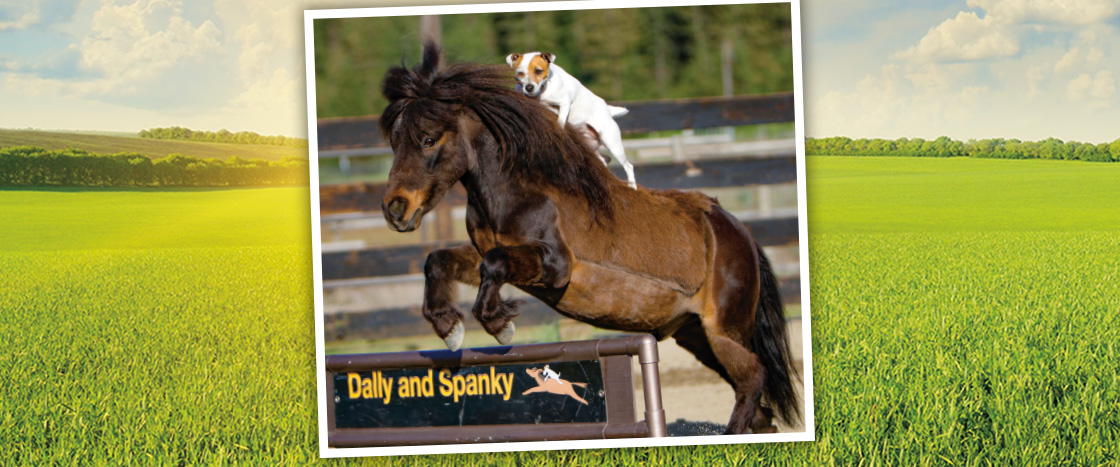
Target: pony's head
x,y
440,122
424,124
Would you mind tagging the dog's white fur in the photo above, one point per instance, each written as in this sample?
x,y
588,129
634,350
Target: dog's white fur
x,y
576,104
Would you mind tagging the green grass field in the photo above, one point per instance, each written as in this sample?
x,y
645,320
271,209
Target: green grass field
x,y
964,336
182,356
153,148
104,218
910,194
964,311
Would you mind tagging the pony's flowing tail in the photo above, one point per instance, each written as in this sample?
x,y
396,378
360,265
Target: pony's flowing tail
x,y
771,344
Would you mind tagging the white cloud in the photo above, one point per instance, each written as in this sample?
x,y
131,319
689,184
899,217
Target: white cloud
x,y
27,17
1104,86
269,33
1070,12
1079,87
966,37
1095,56
1067,60
925,101
1001,30
1094,91
134,43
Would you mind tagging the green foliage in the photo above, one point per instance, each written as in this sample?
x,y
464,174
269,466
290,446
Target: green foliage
x,y
33,166
221,136
620,54
996,148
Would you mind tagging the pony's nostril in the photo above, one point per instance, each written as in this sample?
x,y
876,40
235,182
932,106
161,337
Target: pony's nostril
x,y
397,207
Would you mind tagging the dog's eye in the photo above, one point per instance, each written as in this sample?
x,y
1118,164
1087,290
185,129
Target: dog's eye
x,y
429,142
540,70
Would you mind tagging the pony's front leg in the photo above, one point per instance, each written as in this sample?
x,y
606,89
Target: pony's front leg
x,y
537,265
442,269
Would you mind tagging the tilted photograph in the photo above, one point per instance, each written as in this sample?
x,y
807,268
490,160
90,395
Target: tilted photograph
x,y
535,229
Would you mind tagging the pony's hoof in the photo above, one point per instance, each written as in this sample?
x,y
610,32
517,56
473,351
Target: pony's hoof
x,y
633,185
505,336
455,339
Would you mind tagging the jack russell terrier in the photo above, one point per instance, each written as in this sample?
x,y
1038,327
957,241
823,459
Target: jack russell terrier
x,y
538,75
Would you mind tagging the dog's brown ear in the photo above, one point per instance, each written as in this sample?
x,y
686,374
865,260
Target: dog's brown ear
x,y
512,58
550,57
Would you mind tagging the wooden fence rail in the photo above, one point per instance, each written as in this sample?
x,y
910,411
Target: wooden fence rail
x,y
707,173
674,114
409,259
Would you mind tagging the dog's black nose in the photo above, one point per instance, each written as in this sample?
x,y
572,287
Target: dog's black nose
x,y
529,87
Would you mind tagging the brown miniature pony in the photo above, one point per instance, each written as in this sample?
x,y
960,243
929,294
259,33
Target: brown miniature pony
x,y
545,215
556,386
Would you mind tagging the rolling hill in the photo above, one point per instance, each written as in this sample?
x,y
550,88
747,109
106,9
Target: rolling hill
x,y
155,149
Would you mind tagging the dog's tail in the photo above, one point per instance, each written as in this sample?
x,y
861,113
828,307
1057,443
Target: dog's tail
x,y
617,111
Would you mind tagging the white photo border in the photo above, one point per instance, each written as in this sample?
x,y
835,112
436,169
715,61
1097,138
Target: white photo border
x,y
316,236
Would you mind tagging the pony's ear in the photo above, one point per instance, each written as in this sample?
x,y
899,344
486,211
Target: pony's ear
x,y
430,62
512,58
550,57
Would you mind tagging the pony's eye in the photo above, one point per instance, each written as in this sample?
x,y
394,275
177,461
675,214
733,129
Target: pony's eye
x,y
429,142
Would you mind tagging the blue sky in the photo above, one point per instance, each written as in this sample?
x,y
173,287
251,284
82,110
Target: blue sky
x,y
1027,69
126,65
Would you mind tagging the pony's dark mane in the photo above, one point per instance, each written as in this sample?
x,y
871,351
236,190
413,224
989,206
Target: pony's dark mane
x,y
533,147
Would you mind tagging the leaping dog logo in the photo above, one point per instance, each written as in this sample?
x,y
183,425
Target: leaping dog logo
x,y
553,385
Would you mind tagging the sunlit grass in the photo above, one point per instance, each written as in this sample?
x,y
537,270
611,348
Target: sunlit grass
x,y
40,219
168,356
979,337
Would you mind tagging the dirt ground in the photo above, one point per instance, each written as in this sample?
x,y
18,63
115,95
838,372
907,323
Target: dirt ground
x,y
696,400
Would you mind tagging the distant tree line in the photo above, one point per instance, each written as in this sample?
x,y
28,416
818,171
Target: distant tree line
x,y
996,148
33,166
221,136
619,54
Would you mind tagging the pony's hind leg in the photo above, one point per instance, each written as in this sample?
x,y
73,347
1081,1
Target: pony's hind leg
x,y
749,376
441,270
692,337
741,279
742,371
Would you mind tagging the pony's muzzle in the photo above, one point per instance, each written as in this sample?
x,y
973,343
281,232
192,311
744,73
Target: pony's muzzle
x,y
396,215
